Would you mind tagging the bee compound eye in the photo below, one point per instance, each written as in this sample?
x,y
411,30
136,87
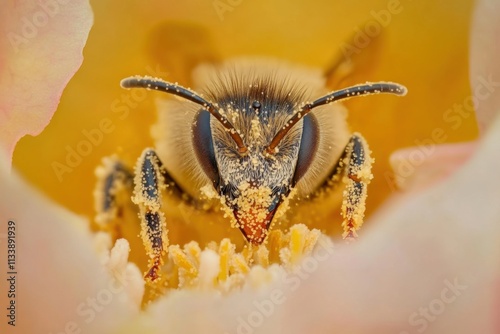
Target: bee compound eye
x,y
308,146
204,146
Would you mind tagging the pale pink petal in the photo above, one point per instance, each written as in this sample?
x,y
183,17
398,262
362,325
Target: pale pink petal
x,y
484,61
41,46
418,167
60,284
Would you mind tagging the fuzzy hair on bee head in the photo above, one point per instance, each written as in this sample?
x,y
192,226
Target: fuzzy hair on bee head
x,y
258,99
256,90
243,77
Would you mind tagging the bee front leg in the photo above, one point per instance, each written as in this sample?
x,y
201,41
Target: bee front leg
x,y
357,175
149,182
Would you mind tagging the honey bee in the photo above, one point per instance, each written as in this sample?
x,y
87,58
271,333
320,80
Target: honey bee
x,y
255,133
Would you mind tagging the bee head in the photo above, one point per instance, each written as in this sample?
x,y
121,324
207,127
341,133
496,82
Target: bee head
x,y
256,141
253,184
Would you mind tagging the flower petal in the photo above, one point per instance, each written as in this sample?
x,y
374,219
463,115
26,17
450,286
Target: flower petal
x,y
484,67
40,50
421,166
60,284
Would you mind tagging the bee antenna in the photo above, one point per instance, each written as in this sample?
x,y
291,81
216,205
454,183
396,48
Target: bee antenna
x,y
368,88
175,89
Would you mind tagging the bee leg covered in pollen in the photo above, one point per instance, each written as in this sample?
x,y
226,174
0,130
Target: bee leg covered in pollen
x,y
357,175
149,182
114,185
